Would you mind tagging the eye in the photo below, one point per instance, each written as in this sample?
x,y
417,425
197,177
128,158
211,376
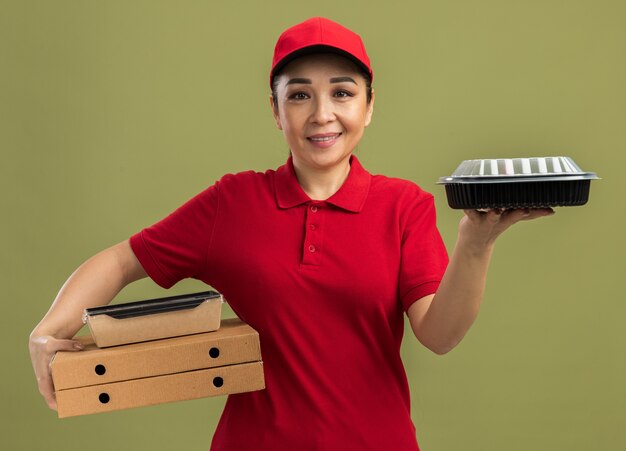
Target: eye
x,y
343,93
298,96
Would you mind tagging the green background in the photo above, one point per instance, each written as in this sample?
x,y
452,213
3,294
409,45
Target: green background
x,y
114,113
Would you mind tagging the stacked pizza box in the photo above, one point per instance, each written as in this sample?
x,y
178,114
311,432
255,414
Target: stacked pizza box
x,y
157,351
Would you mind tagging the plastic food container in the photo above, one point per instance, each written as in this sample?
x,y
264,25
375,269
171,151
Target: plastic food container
x,y
517,183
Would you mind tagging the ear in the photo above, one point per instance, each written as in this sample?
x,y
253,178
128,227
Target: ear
x,y
370,110
275,113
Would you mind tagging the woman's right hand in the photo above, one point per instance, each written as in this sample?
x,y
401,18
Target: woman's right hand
x,y
94,283
42,350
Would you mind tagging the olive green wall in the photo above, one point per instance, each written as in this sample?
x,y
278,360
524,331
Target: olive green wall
x,y
112,113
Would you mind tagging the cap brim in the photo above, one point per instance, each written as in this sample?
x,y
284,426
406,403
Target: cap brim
x,y
321,48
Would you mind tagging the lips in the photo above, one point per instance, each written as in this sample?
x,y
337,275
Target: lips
x,y
323,137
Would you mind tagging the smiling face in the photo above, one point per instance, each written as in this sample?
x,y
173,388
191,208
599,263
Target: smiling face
x,y
321,107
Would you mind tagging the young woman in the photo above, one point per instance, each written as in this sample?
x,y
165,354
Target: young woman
x,y
322,258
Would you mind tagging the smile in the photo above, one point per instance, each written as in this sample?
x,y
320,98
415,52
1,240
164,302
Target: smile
x,y
324,138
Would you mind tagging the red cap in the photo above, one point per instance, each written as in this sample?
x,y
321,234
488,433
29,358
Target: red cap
x,y
315,34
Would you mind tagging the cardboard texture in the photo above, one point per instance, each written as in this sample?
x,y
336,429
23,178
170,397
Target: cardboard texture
x,y
108,331
172,369
234,342
222,380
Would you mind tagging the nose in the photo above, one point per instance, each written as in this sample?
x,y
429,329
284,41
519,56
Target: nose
x,y
323,110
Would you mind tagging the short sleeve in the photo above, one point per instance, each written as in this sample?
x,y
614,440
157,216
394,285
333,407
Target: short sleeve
x,y
176,247
423,255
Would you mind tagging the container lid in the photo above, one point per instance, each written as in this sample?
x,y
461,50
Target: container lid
x,y
517,170
151,306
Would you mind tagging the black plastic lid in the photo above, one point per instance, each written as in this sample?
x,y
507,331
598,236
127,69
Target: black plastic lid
x,y
150,306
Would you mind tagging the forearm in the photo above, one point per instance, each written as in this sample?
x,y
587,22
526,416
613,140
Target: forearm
x,y
455,306
457,301
442,321
96,282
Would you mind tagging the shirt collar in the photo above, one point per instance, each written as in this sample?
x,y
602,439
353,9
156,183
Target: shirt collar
x,y
351,196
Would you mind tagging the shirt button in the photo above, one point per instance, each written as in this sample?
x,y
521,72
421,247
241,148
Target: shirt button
x,y
314,209
313,227
312,248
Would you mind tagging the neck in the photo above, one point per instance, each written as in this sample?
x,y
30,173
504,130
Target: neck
x,y
322,183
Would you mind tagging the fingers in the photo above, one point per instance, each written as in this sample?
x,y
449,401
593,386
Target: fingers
x,y
67,345
517,214
510,217
535,213
474,215
501,219
41,364
46,388
485,226
42,350
525,214
492,214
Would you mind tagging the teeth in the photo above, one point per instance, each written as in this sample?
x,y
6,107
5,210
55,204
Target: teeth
x,y
326,138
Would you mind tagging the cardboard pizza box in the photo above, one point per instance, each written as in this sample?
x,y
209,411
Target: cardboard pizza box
x,y
147,373
222,380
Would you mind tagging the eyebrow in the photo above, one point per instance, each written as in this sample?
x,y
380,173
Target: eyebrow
x,y
343,79
307,81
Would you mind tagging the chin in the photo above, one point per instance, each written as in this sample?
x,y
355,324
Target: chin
x,y
327,159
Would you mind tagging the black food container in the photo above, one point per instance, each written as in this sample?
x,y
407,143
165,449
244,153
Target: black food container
x,y
517,183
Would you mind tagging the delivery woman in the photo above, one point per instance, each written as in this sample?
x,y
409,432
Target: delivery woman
x,y
321,257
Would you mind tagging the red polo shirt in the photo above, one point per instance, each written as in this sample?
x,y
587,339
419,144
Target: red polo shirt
x,y
326,285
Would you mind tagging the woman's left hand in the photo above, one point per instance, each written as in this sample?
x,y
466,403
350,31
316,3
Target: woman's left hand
x,y
481,228
440,321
